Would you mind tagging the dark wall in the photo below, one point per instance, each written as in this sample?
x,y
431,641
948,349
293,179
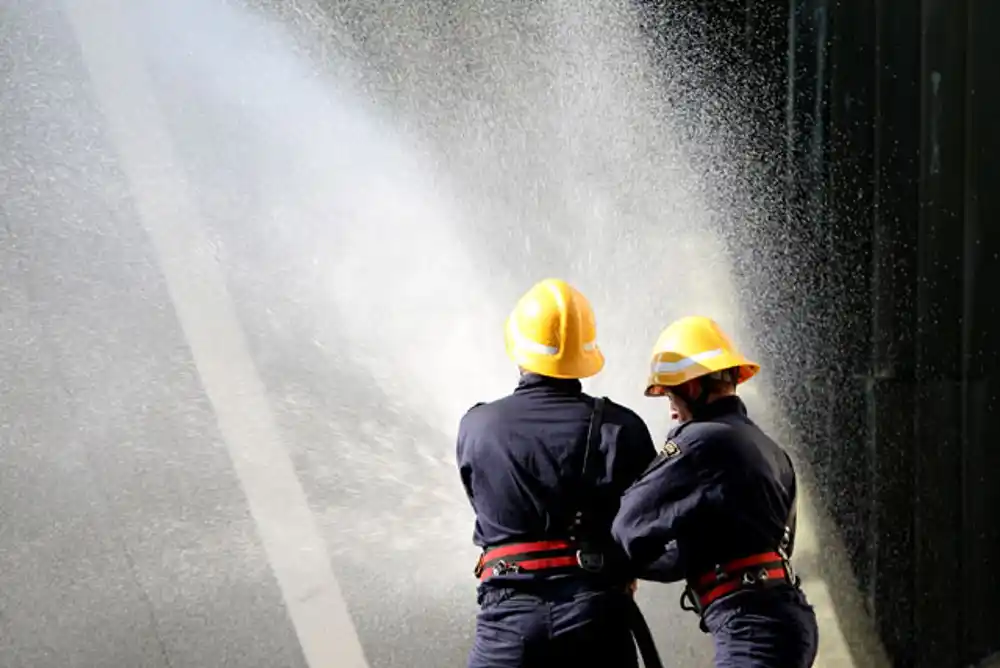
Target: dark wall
x,y
892,109
877,275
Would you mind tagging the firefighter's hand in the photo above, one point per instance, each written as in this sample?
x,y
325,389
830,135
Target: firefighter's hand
x,y
631,587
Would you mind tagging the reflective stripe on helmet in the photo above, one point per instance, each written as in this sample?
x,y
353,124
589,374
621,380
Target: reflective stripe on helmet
x,y
540,348
684,363
524,343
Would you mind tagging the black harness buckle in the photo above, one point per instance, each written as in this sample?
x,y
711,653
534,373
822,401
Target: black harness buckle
x,y
789,569
590,561
689,601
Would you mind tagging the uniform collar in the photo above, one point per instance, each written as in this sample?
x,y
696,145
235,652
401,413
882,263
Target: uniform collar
x,y
724,406
533,380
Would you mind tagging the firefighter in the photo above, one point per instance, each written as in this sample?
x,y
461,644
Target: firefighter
x,y
716,508
544,469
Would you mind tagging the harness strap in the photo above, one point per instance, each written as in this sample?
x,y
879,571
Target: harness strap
x,y
545,555
555,555
593,443
754,572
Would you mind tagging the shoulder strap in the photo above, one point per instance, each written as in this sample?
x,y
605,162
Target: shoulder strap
x,y
593,441
581,525
788,540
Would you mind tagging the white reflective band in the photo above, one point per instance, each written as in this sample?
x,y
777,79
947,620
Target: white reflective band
x,y
539,349
527,344
681,364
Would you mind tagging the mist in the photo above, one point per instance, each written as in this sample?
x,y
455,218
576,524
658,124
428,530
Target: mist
x,y
376,183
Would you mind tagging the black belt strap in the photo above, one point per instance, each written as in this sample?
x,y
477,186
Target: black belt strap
x,y
787,545
593,440
586,483
643,636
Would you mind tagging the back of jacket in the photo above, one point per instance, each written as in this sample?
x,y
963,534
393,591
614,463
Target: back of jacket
x,y
521,458
720,490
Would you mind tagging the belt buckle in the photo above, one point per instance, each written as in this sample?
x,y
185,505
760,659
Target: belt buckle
x,y
505,568
592,562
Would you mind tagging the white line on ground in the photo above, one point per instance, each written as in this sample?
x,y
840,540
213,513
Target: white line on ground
x,y
285,523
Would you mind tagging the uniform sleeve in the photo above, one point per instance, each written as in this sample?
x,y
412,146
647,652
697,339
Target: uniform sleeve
x,y
667,501
668,567
464,465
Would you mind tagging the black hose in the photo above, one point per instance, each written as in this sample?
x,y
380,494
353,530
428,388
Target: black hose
x,y
643,636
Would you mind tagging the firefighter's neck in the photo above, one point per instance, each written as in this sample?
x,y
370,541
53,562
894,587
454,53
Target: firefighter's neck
x,y
680,409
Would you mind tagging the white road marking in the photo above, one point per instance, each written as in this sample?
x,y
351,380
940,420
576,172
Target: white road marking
x,y
285,523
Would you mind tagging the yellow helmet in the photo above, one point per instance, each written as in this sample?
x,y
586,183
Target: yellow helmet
x,y
690,348
552,332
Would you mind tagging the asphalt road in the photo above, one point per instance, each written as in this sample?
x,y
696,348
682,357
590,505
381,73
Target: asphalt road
x,y
126,538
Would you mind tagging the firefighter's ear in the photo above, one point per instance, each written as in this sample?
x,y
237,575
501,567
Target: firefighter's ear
x,y
692,388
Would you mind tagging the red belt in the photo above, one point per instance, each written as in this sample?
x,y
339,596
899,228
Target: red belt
x,y
515,557
768,568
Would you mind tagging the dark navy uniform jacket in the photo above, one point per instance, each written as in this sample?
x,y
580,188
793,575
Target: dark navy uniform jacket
x,y
719,490
521,457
